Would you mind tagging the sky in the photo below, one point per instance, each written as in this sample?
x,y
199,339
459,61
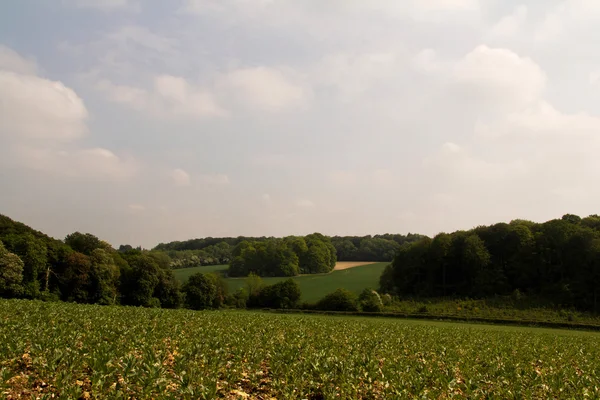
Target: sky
x,y
147,121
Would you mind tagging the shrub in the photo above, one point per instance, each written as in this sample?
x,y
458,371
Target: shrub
x,y
340,300
370,301
285,294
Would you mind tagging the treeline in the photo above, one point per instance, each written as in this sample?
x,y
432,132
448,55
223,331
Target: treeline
x,y
558,260
211,251
371,248
83,269
290,256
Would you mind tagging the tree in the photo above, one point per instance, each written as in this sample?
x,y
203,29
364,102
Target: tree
x,y
168,290
221,286
339,300
104,276
11,273
254,284
200,292
76,279
84,243
139,281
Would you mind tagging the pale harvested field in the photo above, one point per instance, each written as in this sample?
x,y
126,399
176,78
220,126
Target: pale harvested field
x,y
351,264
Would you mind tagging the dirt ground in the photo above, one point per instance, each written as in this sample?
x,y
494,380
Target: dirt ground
x,y
350,264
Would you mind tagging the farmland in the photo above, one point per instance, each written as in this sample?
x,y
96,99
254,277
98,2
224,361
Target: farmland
x,y
313,287
88,351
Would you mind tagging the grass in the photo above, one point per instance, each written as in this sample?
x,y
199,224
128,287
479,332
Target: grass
x,y
313,287
86,351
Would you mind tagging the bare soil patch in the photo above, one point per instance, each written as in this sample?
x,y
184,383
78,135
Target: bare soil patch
x,y
351,264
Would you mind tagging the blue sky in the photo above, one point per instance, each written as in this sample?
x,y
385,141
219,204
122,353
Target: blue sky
x,y
150,121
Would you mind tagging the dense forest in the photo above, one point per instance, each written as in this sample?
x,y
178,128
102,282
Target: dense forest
x,y
213,251
558,260
290,256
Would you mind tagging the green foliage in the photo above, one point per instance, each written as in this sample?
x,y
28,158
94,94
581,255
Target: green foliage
x,y
370,301
200,292
285,294
558,260
221,289
283,257
83,243
11,273
140,280
339,300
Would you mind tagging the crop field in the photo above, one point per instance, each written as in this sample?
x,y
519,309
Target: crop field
x,y
313,287
61,350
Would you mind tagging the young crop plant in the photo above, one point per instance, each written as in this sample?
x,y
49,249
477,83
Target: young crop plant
x,y
69,351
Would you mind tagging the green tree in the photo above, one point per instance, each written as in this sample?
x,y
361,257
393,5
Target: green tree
x,y
139,281
84,243
254,284
77,279
104,278
200,292
11,273
222,289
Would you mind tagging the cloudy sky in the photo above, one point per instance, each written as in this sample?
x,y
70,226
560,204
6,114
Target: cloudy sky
x,y
151,121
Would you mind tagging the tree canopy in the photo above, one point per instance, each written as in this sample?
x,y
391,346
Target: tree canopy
x,y
558,260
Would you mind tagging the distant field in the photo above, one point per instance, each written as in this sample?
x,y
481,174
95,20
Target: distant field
x,y
314,287
350,264
72,351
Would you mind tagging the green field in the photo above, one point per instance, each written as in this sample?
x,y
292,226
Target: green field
x,y
313,287
62,350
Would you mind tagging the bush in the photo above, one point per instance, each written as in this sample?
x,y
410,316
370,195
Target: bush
x,y
340,300
239,299
370,301
386,299
284,294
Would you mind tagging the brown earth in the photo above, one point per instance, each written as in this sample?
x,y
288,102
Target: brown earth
x,y
350,264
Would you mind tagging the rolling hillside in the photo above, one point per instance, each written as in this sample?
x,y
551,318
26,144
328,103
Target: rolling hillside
x,y
313,287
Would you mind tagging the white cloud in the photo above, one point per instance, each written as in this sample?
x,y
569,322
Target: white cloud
x,y
214,179
566,18
264,88
383,177
305,203
38,108
11,61
426,61
105,5
180,177
450,147
510,25
88,163
266,197
170,97
354,74
500,76
343,177
42,120
136,207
